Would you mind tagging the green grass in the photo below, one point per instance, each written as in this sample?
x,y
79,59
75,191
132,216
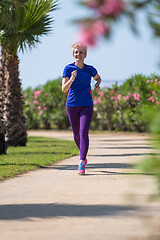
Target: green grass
x,y
39,152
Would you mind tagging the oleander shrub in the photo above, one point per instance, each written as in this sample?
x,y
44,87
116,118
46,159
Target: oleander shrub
x,y
119,108
45,106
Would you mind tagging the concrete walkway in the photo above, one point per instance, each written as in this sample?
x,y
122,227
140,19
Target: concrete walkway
x,y
109,203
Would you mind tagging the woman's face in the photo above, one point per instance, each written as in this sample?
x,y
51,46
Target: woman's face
x,y
79,54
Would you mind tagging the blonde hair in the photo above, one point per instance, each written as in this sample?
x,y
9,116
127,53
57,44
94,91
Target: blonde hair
x,y
79,44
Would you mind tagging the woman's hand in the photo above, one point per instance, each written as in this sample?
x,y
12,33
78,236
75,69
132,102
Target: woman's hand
x,y
97,87
73,75
98,81
67,82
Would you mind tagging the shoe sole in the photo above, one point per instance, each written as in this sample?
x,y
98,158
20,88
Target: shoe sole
x,y
81,173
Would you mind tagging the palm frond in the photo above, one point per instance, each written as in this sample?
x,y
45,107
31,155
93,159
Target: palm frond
x,y
35,10
8,11
29,23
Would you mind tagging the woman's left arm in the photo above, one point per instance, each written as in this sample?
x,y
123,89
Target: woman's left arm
x,y
97,78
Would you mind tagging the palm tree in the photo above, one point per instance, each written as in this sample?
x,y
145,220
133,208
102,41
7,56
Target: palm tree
x,y
5,7
23,29
3,147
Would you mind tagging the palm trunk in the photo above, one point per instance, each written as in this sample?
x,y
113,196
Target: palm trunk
x,y
16,134
3,145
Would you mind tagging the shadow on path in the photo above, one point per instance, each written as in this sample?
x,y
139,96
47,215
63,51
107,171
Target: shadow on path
x,y
124,155
123,147
21,211
110,165
93,166
126,140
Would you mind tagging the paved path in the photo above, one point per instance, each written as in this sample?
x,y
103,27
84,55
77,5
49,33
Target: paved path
x,y
108,203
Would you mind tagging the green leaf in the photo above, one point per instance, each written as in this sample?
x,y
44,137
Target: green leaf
x,y
26,24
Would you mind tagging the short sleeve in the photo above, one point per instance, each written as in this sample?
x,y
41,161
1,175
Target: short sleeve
x,y
66,72
93,72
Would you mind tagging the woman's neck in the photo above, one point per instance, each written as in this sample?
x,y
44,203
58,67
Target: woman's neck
x,y
79,64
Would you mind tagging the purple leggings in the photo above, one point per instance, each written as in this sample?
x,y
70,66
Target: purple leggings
x,y
80,120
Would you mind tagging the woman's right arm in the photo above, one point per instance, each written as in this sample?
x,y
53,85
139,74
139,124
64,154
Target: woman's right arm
x,y
67,82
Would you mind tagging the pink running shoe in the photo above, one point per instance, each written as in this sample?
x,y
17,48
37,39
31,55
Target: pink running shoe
x,y
85,162
81,168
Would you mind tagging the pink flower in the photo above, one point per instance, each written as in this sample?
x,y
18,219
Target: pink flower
x,y
95,102
151,98
99,99
113,98
100,28
101,93
153,93
39,107
119,96
126,98
112,7
148,81
157,102
44,108
136,96
41,112
87,36
37,93
107,7
156,80
35,102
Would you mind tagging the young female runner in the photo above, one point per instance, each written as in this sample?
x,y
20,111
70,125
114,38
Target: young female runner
x,y
77,81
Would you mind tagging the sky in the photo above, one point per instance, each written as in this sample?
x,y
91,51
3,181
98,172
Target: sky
x,y
115,60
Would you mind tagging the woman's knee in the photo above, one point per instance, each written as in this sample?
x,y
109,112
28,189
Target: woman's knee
x,y
84,134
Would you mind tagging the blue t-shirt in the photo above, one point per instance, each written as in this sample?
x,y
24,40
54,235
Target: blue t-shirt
x,y
80,93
